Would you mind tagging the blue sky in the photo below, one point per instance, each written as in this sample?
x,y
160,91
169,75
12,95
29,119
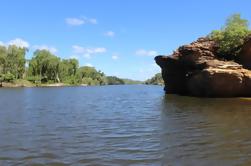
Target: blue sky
x,y
119,37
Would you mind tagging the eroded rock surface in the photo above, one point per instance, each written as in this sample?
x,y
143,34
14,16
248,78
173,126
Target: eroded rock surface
x,y
245,54
196,70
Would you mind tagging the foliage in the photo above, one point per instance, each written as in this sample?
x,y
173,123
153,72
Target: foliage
x,y
130,82
90,76
12,61
46,68
231,36
67,70
112,80
3,55
155,80
34,79
8,77
44,65
71,80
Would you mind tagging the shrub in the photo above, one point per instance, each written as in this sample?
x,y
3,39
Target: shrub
x,y
8,77
34,79
231,37
72,80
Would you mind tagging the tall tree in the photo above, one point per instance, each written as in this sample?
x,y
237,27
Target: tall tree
x,y
15,61
3,55
45,65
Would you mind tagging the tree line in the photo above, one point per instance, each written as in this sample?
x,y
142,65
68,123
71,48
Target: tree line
x,y
45,67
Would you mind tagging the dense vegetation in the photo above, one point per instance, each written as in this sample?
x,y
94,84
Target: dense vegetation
x,y
47,68
231,37
155,80
112,80
129,81
12,63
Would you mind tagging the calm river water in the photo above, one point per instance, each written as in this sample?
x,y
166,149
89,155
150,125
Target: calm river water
x,y
121,125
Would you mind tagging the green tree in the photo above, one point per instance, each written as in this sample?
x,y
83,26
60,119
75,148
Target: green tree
x,y
3,56
90,76
52,72
9,77
45,65
231,37
15,61
68,70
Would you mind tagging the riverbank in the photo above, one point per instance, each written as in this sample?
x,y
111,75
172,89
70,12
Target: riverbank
x,y
17,84
28,84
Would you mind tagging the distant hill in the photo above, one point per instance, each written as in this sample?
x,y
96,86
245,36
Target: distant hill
x,y
130,82
113,80
155,80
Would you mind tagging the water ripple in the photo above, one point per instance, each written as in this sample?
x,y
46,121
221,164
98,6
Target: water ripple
x,y
121,125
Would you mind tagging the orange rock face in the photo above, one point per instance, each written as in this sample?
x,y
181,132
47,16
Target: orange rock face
x,y
245,54
196,70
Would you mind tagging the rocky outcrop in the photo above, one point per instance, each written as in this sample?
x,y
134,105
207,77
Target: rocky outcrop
x,y
197,70
245,54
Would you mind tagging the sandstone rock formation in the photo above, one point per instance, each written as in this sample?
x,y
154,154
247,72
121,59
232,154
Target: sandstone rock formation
x,y
197,70
245,54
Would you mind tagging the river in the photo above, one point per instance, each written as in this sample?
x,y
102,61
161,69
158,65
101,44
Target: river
x,y
121,125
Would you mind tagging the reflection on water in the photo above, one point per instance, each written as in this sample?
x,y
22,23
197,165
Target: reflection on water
x,y
206,131
121,125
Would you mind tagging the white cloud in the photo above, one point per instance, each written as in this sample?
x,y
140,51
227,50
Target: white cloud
x,y
88,51
89,65
74,21
1,43
115,57
80,21
19,43
45,47
109,34
143,52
